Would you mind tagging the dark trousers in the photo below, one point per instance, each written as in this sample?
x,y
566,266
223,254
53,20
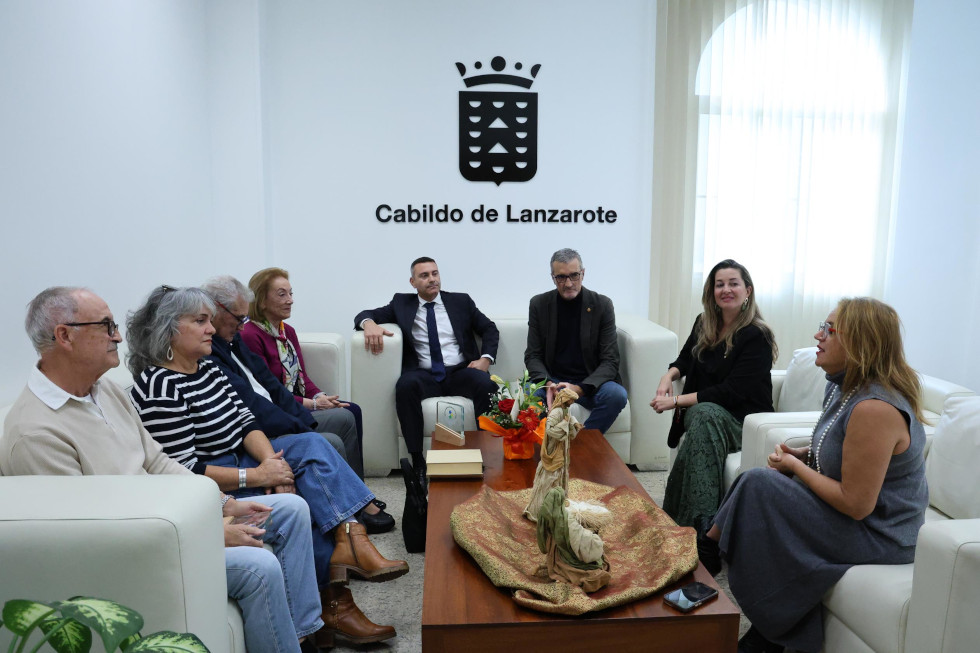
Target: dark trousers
x,y
415,385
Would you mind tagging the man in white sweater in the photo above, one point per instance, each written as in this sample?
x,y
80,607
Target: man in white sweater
x,y
68,421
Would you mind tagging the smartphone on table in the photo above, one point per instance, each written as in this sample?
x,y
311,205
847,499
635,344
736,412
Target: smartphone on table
x,y
690,596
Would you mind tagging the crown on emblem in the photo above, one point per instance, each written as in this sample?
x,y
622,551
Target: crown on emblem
x,y
498,76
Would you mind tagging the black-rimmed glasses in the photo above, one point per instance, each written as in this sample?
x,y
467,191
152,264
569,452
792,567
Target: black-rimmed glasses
x,y
562,279
241,319
110,326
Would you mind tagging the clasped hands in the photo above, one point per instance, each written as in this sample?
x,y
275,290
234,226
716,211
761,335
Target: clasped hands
x,y
243,534
786,459
275,475
664,399
324,402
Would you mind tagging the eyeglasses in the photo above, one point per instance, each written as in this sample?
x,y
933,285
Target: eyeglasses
x,y
110,326
825,329
241,319
562,279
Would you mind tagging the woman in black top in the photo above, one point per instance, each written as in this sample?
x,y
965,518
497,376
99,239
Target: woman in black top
x,y
726,361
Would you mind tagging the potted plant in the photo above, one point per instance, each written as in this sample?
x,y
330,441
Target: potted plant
x,y
67,626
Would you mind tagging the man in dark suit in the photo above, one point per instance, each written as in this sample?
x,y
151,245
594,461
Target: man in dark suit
x,y
275,408
571,341
440,356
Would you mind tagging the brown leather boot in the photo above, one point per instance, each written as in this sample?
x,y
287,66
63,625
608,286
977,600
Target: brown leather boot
x,y
344,621
355,553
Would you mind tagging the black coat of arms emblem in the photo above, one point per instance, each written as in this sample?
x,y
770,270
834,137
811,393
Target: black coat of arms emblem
x,y
498,130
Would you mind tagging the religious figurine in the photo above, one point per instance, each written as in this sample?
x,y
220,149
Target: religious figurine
x,y
560,429
572,547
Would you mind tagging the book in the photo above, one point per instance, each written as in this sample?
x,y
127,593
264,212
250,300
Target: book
x,y
444,434
454,462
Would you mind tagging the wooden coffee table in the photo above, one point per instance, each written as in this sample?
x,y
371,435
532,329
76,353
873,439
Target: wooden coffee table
x,y
463,611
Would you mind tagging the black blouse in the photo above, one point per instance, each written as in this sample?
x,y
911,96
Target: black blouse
x,y
739,382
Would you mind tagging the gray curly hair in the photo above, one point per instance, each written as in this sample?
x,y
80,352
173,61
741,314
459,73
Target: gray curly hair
x,y
152,326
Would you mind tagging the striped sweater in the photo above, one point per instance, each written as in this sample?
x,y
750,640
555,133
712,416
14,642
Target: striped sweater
x,y
195,416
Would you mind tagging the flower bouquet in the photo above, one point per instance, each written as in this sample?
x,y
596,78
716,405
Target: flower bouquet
x,y
515,415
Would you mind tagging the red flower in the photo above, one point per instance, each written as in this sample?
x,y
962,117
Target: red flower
x,y
505,405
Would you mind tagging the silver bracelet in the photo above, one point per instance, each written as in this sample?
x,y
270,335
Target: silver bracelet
x,y
224,499
242,479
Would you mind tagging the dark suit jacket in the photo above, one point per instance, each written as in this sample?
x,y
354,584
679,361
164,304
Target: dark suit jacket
x,y
600,345
282,415
465,317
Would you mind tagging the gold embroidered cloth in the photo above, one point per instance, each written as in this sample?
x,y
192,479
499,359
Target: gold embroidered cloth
x,y
646,550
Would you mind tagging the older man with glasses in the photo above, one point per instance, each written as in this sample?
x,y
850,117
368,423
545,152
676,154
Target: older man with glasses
x,y
71,422
572,342
271,403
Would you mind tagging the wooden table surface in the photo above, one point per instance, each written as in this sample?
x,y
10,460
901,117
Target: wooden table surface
x,y
463,610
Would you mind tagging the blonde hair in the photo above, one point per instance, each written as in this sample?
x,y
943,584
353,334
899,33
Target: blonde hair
x,y
259,285
870,334
711,323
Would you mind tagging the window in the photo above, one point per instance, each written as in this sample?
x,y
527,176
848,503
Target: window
x,y
790,118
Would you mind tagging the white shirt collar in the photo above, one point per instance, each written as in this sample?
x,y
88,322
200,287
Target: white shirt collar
x,y
437,299
53,395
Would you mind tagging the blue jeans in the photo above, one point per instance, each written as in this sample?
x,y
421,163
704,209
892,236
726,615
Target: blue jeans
x,y
276,593
604,406
329,485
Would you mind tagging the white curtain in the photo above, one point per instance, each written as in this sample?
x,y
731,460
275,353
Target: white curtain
x,y
775,144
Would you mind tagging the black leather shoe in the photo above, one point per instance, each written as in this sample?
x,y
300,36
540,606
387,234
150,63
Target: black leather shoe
x,y
379,503
708,551
755,642
380,522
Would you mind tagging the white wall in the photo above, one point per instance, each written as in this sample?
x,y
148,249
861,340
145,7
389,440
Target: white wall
x,y
360,108
104,155
935,272
136,136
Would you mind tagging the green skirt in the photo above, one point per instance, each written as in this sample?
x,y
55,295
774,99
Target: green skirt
x,y
696,486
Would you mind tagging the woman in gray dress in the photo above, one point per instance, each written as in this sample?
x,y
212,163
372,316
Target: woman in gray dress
x,y
856,495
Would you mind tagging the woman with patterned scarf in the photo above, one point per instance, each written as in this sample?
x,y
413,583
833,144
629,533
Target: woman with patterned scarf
x,y
268,336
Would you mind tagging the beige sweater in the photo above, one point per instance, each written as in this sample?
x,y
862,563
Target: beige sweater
x,y
73,440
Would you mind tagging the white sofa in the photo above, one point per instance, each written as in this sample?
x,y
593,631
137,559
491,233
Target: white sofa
x,y
930,605
639,435
153,543
150,542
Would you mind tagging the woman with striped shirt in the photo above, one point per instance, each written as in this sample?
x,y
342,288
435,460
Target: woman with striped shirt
x,y
189,406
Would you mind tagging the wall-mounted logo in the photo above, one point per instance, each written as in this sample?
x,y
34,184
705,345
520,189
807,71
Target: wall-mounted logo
x,y
498,130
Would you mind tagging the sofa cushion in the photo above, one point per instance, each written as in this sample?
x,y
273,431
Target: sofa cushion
x,y
804,386
878,617
954,457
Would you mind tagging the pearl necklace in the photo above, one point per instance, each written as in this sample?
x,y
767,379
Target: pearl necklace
x,y
813,456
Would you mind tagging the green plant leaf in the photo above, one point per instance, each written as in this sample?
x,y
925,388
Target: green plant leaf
x,y
21,616
129,641
72,637
113,622
169,642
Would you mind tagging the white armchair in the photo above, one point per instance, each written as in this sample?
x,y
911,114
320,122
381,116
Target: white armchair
x,y
638,435
929,605
797,398
153,543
